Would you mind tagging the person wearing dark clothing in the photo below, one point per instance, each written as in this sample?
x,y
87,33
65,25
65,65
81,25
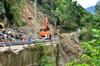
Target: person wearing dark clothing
x,y
4,38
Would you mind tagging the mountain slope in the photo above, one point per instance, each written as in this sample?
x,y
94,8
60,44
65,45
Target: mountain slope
x,y
91,9
28,16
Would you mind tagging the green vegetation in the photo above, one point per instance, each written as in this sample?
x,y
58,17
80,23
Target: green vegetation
x,y
91,53
46,59
13,11
46,55
98,9
2,10
73,16
68,13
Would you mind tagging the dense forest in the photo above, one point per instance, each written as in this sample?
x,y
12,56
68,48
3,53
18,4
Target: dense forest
x,y
70,16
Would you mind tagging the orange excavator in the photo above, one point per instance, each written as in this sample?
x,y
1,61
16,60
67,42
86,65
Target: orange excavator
x,y
44,32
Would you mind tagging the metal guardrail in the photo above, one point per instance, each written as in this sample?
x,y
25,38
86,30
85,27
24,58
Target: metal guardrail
x,y
32,41
23,43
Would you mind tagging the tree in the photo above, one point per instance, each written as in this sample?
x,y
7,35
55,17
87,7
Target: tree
x,y
12,8
98,9
2,11
90,56
72,15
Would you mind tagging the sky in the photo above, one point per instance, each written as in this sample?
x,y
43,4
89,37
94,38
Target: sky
x,y
87,3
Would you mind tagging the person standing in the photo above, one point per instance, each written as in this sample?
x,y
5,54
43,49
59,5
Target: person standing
x,y
4,38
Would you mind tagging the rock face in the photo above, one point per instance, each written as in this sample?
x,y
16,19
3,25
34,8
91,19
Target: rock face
x,y
98,8
69,48
41,55
37,56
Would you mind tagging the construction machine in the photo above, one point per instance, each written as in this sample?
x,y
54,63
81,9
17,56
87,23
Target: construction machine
x,y
44,32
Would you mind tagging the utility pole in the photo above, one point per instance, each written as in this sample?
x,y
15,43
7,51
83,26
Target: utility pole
x,y
35,10
30,53
35,14
51,8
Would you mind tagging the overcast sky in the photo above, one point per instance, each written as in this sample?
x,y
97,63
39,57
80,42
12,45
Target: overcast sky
x,y
87,3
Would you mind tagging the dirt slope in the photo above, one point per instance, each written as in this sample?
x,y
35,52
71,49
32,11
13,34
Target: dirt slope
x,y
69,48
28,15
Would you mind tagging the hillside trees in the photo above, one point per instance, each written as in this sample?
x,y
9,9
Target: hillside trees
x,y
98,9
2,11
73,16
13,9
69,13
91,51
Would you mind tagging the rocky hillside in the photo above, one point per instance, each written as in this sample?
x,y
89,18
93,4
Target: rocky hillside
x,y
67,47
70,48
28,16
40,55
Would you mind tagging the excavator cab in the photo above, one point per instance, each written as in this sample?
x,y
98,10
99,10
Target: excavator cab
x,y
44,34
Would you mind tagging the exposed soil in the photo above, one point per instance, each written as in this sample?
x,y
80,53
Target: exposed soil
x,y
70,47
28,15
